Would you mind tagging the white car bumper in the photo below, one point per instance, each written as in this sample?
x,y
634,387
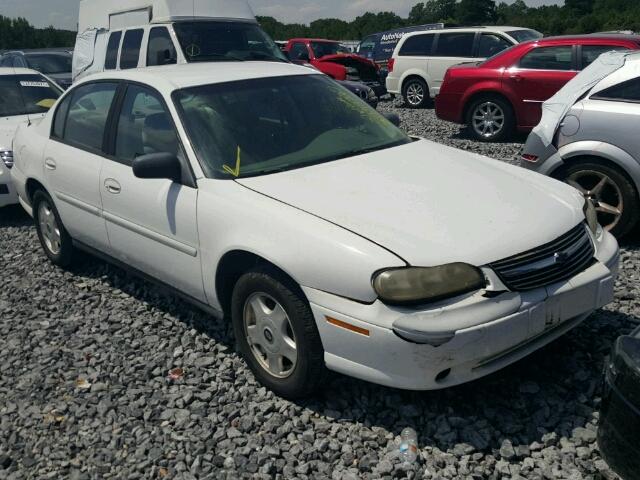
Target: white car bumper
x,y
8,195
393,85
492,333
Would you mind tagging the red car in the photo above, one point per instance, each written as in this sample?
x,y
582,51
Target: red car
x,y
505,92
334,60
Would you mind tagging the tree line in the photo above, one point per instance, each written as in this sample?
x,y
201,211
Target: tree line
x,y
574,16
17,33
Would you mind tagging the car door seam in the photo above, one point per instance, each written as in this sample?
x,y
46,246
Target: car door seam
x,y
78,203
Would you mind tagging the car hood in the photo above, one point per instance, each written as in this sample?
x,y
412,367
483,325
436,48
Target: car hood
x,y
431,204
344,56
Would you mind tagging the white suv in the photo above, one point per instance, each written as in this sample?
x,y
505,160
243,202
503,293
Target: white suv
x,y
421,59
271,196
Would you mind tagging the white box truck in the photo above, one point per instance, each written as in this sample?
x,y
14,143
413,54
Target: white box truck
x,y
121,34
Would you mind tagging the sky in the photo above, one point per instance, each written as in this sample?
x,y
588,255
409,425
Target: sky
x,y
64,13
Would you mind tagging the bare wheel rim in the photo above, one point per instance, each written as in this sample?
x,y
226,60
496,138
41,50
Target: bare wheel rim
x,y
415,94
270,335
488,119
603,192
49,228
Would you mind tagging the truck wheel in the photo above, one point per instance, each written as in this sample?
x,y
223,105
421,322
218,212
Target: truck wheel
x,y
277,334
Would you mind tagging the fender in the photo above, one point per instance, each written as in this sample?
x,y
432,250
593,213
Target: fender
x,y
592,148
338,72
495,87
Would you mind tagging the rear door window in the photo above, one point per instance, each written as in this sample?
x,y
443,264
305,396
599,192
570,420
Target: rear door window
x,y
111,60
549,58
455,44
87,117
298,49
26,94
417,46
131,49
590,53
161,50
491,44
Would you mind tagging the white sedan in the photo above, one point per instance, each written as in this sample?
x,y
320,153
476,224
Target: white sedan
x,y
25,95
268,194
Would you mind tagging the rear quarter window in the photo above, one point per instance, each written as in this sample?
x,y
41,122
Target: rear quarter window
x,y
111,60
628,91
417,45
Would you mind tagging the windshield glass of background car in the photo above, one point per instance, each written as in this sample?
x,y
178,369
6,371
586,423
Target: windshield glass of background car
x,y
322,49
210,41
26,94
50,64
261,126
525,35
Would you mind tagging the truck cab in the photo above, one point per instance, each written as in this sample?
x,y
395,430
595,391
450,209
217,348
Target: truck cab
x,y
144,33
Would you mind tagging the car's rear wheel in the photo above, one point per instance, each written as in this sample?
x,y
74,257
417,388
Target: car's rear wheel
x,y
416,93
55,240
613,194
276,333
490,119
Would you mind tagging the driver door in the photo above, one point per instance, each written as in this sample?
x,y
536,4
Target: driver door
x,y
151,223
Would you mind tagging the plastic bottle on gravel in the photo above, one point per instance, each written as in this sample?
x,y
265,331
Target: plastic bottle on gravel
x,y
408,445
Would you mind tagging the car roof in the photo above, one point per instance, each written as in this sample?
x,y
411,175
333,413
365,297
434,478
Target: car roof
x,y
17,71
595,36
313,40
166,79
504,29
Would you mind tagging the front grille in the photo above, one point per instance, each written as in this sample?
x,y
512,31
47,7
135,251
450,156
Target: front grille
x,y
554,262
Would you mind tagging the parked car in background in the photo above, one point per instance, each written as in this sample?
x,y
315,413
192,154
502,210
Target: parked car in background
x,y
219,180
505,93
619,421
379,47
332,59
588,137
132,33
421,59
54,63
25,96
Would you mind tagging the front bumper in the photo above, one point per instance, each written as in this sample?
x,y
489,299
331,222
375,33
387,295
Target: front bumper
x,y
477,335
8,194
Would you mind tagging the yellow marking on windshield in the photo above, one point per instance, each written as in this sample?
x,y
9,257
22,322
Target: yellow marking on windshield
x,y
235,172
46,103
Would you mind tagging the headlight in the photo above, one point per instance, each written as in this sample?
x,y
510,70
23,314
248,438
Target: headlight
x,y
591,215
7,157
418,285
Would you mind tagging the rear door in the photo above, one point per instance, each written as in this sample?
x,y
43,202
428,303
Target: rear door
x,y
451,49
151,222
74,158
537,76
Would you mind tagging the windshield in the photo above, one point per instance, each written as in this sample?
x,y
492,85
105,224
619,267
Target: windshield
x,y
50,64
367,45
267,125
525,35
322,49
225,41
26,94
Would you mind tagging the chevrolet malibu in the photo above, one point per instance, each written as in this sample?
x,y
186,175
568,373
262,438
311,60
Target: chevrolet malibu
x,y
275,198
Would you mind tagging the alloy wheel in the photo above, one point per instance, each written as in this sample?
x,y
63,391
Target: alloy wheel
x,y
415,94
603,192
270,335
49,228
488,120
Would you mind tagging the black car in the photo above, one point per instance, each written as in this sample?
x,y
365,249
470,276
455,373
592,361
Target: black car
x,y
619,431
55,64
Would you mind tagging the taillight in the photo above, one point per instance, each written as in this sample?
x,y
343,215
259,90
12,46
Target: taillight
x,y
528,157
390,65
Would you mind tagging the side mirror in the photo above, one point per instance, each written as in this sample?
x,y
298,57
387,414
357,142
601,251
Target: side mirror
x,y
158,165
393,118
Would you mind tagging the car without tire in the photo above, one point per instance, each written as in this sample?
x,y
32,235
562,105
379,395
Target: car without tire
x,y
332,240
587,138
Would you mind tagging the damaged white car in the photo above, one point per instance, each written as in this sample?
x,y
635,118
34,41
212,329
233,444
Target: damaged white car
x,y
330,238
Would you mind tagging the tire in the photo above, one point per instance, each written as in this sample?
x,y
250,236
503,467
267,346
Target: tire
x,y
269,289
494,109
415,92
54,238
617,191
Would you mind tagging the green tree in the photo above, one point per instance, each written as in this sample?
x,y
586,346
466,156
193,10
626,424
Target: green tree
x,y
432,11
476,12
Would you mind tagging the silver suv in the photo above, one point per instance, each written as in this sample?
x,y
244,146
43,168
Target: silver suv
x,y
589,137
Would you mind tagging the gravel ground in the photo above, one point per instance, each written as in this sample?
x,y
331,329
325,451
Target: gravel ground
x,y
85,391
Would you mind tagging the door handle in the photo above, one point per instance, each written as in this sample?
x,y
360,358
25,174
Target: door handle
x,y
50,164
112,186
516,78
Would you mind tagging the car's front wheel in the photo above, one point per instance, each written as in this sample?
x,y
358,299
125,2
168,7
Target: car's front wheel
x,y
54,238
613,194
490,119
276,333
